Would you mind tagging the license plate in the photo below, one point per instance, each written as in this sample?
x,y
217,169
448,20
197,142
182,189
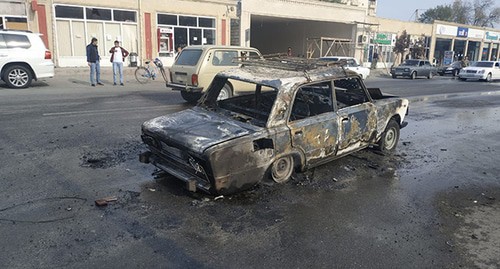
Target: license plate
x,y
399,73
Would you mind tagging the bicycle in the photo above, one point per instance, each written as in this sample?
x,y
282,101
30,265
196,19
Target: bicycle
x,y
145,74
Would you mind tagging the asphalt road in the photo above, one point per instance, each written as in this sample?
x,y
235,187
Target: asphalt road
x,y
64,144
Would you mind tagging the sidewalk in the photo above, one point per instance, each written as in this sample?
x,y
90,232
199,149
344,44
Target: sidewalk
x,y
82,71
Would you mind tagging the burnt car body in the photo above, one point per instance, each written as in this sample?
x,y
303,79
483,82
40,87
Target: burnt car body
x,y
292,120
413,69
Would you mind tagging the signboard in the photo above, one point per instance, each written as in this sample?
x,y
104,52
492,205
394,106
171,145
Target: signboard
x,y
492,36
383,39
462,32
473,33
446,30
448,57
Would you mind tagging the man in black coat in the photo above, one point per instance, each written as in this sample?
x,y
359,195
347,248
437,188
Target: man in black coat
x,y
93,59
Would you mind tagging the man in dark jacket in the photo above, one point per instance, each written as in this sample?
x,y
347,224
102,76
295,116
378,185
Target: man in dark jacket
x,y
93,62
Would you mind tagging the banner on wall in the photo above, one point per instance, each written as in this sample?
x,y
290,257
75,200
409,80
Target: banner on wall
x,y
384,39
448,57
473,33
446,30
492,36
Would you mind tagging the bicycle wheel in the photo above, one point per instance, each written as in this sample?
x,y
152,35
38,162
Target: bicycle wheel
x,y
142,75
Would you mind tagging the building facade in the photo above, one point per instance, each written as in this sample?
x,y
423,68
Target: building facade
x,y
154,28
13,15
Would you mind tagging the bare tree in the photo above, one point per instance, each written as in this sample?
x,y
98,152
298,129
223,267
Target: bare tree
x,y
482,13
461,11
481,17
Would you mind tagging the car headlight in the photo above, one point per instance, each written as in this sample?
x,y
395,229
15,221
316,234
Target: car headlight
x,y
481,71
449,68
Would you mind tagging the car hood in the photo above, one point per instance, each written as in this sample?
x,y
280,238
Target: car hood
x,y
196,129
476,68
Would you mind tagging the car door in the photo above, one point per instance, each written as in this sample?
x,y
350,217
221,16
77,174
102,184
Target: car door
x,y
496,71
356,115
313,123
422,69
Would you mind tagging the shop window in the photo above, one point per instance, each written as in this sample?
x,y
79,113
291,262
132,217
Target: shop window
x,y
126,16
180,37
69,12
167,19
187,21
209,37
15,19
195,37
98,14
206,22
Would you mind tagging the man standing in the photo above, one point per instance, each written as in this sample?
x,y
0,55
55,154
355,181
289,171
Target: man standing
x,y
93,62
118,55
374,60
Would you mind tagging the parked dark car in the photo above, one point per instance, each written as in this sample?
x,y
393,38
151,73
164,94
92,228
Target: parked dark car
x,y
296,117
413,69
451,69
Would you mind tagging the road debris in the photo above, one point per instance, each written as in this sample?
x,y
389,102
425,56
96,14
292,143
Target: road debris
x,y
105,201
219,197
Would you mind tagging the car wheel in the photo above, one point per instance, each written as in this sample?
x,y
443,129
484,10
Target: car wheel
x,y
18,76
225,93
430,75
488,78
282,169
389,138
413,75
191,97
441,74
455,73
394,76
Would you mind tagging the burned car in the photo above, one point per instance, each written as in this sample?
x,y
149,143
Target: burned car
x,y
291,117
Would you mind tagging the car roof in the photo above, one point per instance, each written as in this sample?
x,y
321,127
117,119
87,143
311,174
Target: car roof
x,y
276,77
206,47
340,57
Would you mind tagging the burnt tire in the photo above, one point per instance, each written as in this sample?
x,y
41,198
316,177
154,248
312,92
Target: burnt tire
x,y
282,169
17,77
390,137
413,75
225,92
191,97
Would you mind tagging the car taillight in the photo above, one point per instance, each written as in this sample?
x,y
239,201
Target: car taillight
x,y
48,55
194,80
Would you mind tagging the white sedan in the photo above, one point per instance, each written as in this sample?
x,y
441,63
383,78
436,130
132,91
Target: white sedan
x,y
482,70
351,64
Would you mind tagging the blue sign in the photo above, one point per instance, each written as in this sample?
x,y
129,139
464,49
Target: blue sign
x,y
462,32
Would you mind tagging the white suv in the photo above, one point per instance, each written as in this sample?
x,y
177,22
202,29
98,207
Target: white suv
x,y
23,57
